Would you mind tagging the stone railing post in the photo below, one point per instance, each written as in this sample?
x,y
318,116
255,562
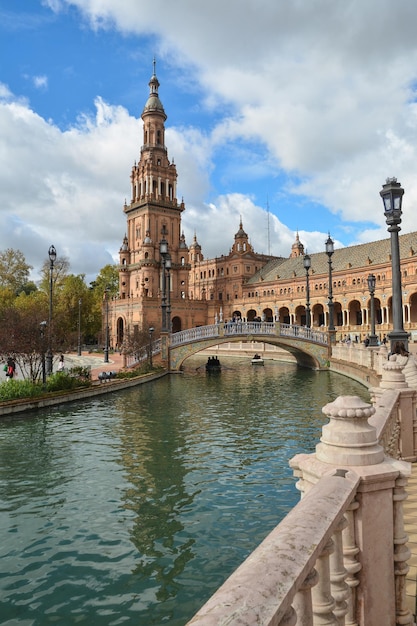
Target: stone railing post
x,y
373,536
165,346
394,377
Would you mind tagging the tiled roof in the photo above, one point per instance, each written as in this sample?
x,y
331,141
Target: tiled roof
x,y
366,255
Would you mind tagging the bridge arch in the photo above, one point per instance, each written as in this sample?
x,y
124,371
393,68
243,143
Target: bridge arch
x,y
314,359
309,347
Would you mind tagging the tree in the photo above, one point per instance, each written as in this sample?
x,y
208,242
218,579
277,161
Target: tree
x,y
76,303
59,273
24,332
21,336
108,278
14,271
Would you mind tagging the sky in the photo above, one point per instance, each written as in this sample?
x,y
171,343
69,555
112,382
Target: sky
x,y
287,114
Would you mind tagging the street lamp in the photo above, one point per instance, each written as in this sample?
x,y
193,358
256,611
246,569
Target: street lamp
x,y
329,251
168,286
163,250
106,345
307,265
150,346
42,331
79,327
392,194
373,339
49,357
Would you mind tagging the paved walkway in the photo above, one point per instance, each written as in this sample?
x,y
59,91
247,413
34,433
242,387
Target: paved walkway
x,y
410,523
94,361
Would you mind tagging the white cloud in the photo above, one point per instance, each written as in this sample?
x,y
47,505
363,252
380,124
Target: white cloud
x,y
40,82
327,88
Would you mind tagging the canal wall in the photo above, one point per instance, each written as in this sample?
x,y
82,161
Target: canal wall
x,y
15,407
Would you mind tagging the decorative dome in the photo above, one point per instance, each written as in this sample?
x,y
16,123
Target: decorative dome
x,y
195,245
240,233
147,240
153,104
183,245
125,245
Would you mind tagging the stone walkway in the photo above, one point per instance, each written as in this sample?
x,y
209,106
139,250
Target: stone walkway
x,y
410,523
94,361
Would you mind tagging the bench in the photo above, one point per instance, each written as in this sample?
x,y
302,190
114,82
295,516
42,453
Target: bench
x,y
105,376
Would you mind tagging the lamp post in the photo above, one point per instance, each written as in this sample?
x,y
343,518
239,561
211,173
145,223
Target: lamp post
x,y
373,339
150,346
392,194
49,357
307,265
168,290
329,251
42,332
106,345
163,250
79,327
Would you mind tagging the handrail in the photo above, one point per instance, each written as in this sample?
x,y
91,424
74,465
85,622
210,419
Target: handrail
x,y
264,587
307,569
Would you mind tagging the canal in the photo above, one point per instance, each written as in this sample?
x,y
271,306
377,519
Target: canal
x,y
133,508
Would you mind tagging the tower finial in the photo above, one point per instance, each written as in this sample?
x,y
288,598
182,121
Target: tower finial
x,y
154,65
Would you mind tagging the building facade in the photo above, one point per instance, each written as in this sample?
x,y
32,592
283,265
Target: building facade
x,y
159,274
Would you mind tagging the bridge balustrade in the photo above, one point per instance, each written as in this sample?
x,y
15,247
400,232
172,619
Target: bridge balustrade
x,y
228,329
194,334
340,556
142,354
249,328
302,332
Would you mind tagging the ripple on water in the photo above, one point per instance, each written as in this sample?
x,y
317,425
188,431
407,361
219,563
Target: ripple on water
x,y
133,508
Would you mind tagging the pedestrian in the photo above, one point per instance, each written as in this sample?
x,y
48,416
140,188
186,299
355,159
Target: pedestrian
x,y
11,368
61,363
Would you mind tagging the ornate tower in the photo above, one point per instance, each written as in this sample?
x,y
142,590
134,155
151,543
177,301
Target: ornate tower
x,y
153,213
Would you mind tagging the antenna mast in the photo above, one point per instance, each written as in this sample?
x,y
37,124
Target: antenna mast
x,y
267,214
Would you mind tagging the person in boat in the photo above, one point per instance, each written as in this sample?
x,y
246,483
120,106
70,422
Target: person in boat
x,y
257,356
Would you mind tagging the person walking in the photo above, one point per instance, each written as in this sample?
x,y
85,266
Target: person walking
x,y
11,368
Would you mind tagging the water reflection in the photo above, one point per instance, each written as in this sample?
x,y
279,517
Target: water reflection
x,y
135,507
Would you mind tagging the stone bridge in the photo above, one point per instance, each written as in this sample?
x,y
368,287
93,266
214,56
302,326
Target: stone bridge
x,y
310,347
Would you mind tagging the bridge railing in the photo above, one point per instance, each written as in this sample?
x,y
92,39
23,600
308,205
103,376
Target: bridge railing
x,y
228,329
340,556
249,328
302,332
142,354
194,334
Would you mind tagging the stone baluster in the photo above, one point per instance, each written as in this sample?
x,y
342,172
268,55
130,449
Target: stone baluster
x,y
302,600
338,574
349,444
323,602
401,555
353,566
289,619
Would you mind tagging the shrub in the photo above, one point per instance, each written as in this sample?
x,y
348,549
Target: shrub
x,y
17,389
63,381
60,381
138,371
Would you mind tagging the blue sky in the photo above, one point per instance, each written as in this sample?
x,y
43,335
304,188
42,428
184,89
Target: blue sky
x,y
290,115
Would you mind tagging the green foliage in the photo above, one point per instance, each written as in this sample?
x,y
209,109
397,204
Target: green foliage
x,y
139,371
64,381
108,278
18,389
59,272
77,308
60,381
14,271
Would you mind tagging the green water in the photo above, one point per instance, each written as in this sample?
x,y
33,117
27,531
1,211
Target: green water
x,y
133,508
